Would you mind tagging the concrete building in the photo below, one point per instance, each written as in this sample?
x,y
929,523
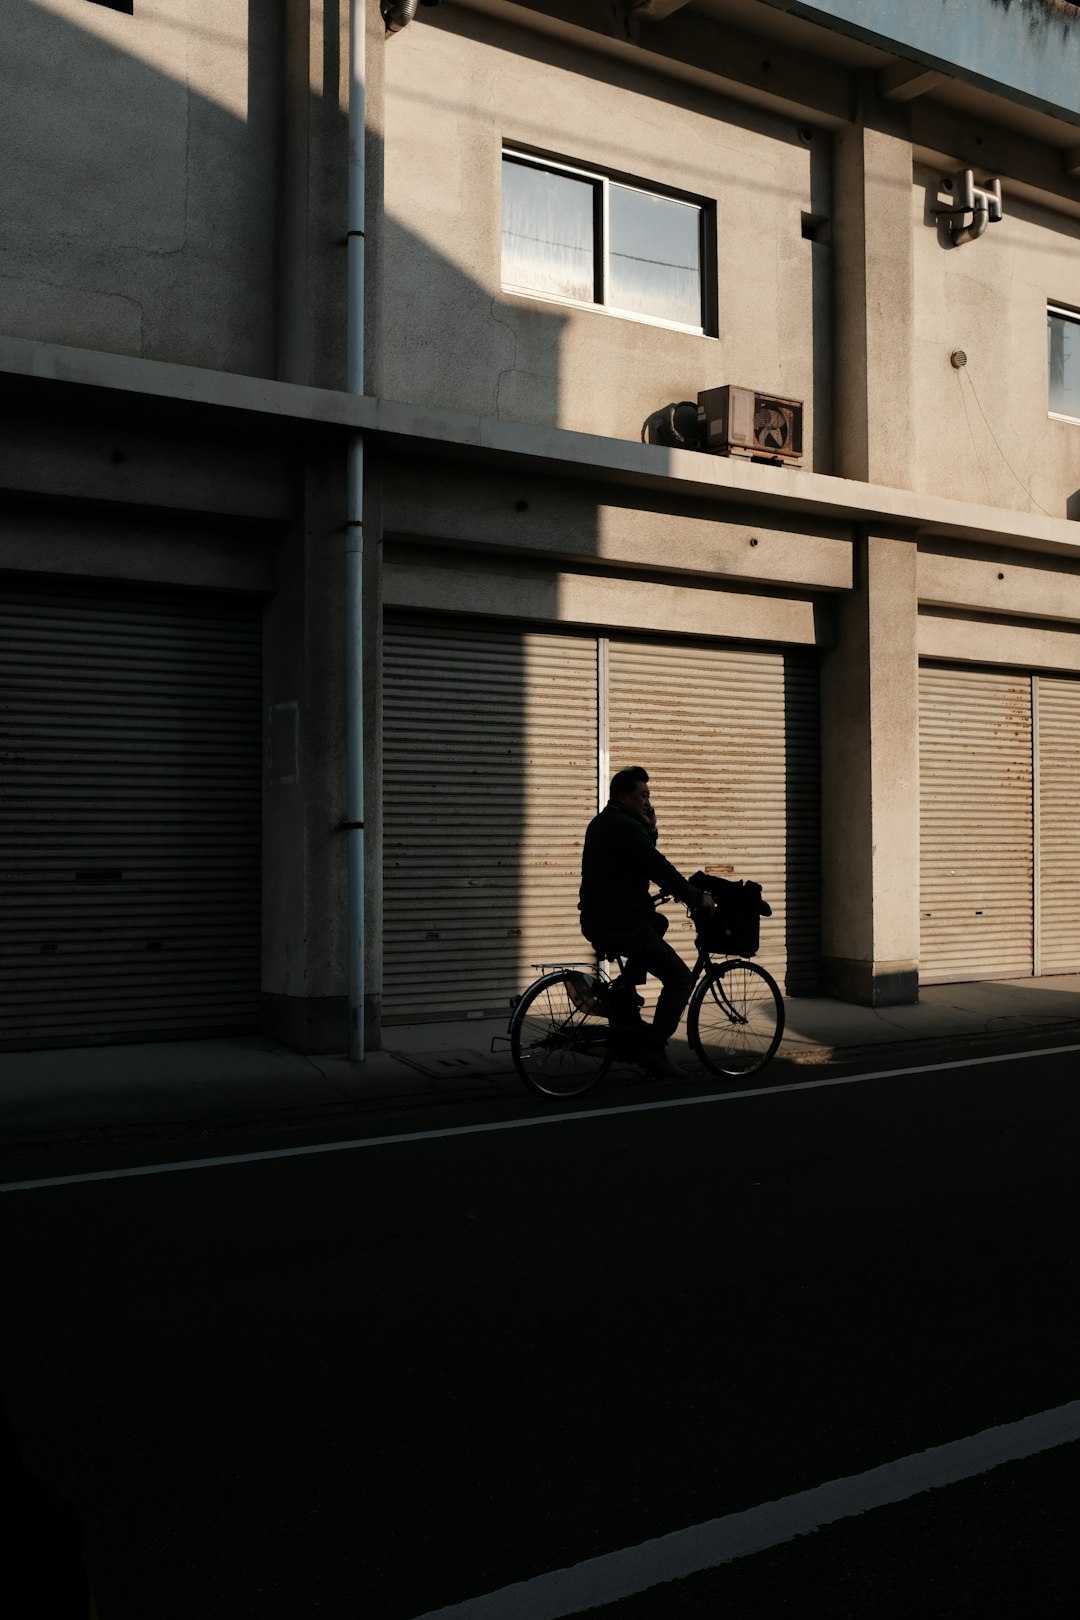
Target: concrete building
x,y
855,675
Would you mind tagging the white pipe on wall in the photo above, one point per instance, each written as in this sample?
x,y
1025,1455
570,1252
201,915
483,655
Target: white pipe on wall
x,y
354,542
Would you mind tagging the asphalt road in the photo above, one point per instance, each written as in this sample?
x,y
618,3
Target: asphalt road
x,y
376,1382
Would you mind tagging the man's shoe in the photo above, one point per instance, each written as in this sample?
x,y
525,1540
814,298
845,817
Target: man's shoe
x,y
584,992
660,1065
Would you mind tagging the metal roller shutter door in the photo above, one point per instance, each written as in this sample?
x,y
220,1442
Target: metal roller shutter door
x,y
130,814
489,781
1058,708
731,735
975,752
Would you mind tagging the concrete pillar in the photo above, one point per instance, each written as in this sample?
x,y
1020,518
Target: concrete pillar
x,y
874,295
304,993
870,782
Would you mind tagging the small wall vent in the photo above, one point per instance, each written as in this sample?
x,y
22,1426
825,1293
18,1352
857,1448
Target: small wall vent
x,y
744,422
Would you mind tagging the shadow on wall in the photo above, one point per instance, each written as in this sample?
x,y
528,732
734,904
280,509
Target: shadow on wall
x,y
139,215
512,370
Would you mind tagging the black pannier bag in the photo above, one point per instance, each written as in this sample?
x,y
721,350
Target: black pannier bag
x,y
735,928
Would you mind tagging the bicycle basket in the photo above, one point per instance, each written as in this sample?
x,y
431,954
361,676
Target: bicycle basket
x,y
734,929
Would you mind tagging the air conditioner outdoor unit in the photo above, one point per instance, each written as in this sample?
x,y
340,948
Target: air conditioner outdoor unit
x,y
742,422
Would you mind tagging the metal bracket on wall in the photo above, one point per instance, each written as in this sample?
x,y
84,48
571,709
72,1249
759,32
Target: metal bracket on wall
x,y
982,202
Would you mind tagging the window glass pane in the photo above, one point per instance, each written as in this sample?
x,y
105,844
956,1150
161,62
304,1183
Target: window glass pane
x,y
547,232
1064,335
654,256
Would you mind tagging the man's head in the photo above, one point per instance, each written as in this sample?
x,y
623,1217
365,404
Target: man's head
x,y
630,790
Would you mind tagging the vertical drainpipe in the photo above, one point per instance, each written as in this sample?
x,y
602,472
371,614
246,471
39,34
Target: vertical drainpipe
x,y
354,541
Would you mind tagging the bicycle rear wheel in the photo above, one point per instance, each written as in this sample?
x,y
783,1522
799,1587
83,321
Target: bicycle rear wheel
x,y
558,1050
736,1019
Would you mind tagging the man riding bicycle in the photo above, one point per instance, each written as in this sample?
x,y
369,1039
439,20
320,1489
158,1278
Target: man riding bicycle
x,y
618,861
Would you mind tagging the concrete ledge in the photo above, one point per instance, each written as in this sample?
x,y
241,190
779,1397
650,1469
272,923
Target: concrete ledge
x,y
549,449
871,984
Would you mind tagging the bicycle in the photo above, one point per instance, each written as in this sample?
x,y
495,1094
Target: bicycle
x,y
559,1031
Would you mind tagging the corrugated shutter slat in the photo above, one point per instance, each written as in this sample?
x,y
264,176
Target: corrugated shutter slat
x,y
1059,825
976,824
129,818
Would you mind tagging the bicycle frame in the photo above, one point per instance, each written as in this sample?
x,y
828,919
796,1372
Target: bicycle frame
x,y
598,969
703,963
569,1009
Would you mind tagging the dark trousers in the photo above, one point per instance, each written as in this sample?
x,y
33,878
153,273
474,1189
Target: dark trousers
x,y
644,950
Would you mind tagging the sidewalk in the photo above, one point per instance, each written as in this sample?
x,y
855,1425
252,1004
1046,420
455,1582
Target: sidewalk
x,y
91,1090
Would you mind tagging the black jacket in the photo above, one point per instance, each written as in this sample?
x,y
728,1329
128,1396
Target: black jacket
x,y
619,860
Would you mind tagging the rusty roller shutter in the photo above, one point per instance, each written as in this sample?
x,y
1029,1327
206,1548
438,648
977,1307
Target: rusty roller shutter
x,y
489,781
1058,755
976,905
130,814
729,736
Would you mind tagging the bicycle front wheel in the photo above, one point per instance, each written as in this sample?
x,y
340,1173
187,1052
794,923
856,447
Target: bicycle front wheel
x,y
558,1050
736,1019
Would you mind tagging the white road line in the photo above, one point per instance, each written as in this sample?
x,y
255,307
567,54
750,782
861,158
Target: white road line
x,y
358,1144
675,1557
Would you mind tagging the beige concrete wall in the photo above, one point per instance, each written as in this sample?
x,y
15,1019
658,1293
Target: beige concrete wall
x,y
983,432
137,189
457,86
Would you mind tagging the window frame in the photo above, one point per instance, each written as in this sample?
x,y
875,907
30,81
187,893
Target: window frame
x,y
602,180
1067,314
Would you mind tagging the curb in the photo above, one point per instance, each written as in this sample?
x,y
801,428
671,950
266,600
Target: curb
x,y
928,1047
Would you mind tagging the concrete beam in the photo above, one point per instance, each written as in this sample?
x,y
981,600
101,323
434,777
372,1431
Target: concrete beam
x,y
456,584
481,510
998,584
907,80
979,641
